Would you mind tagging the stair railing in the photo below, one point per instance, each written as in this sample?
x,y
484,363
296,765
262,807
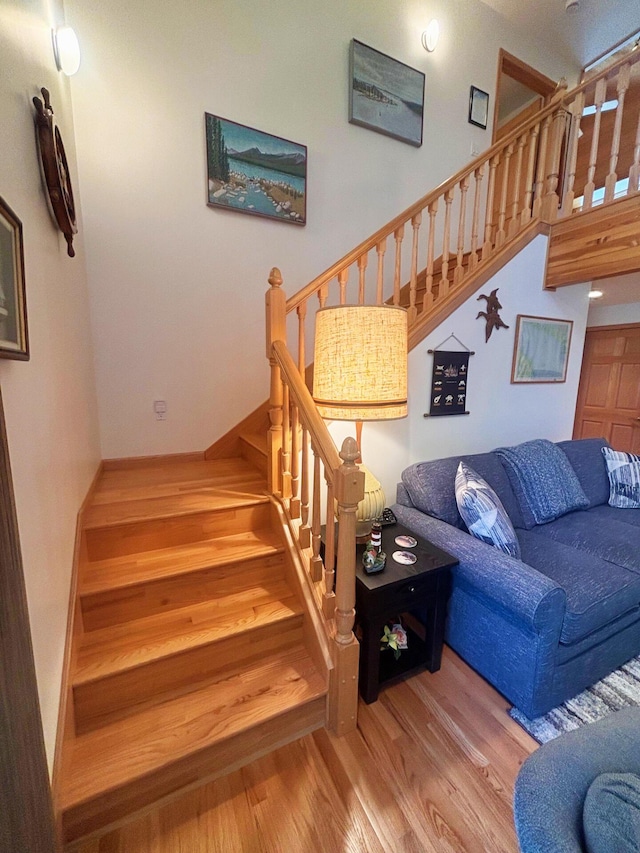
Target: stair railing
x,y
306,474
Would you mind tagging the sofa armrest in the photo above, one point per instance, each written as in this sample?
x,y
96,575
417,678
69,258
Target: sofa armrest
x,y
523,594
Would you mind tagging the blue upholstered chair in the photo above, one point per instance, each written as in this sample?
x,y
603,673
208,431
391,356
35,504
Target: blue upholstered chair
x,y
568,801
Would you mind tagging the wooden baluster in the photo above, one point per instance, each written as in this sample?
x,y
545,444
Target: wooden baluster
x,y
276,309
316,559
329,596
323,292
475,222
285,465
502,213
514,222
575,110
399,237
551,200
427,302
527,210
443,287
381,248
343,277
634,172
459,270
413,281
362,269
294,504
304,534
302,356
624,75
487,246
601,94
343,686
542,163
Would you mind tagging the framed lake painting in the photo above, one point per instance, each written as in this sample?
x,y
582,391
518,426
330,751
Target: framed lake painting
x,y
541,351
254,172
385,95
14,341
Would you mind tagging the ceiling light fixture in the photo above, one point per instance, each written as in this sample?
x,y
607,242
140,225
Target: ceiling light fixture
x,y
595,294
571,5
431,35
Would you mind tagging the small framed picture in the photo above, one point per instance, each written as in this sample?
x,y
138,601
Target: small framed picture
x,y
541,350
14,341
478,107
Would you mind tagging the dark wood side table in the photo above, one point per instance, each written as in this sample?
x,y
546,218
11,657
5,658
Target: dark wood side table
x,y
421,591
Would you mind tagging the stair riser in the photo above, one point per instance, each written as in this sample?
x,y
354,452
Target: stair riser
x,y
117,806
104,700
114,607
132,538
254,456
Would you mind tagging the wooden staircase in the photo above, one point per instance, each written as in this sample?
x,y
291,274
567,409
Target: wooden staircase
x,y
189,656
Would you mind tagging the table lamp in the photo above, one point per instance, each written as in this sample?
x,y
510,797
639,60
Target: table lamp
x,y
360,374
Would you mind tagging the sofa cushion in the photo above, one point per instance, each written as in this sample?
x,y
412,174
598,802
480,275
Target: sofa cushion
x,y
543,481
615,541
431,486
606,514
597,592
611,814
624,478
483,513
585,456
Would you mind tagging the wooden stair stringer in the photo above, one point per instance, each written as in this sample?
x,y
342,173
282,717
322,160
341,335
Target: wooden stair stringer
x,y
425,324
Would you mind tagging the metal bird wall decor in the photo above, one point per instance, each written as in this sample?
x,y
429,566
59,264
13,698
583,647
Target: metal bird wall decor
x,y
494,321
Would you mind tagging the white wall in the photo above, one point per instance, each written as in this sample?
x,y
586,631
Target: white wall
x,y
613,315
177,288
500,413
49,401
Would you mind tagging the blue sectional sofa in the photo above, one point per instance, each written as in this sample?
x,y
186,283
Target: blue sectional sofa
x,y
543,627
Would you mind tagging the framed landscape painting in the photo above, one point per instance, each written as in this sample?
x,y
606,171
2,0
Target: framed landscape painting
x,y
541,351
254,172
385,95
14,341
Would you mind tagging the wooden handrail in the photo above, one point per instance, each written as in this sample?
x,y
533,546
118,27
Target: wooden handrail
x,y
320,436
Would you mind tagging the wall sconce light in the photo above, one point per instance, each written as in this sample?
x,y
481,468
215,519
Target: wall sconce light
x,y
66,49
431,35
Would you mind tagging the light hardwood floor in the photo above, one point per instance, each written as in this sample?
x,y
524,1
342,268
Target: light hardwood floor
x,y
430,769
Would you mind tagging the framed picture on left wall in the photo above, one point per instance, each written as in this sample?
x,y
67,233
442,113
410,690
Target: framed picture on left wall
x,y
14,341
251,171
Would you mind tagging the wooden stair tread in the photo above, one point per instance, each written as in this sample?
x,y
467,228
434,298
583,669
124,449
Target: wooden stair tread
x,y
117,648
133,569
174,506
114,755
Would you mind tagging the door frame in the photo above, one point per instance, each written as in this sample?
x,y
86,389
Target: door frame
x,y
529,76
26,808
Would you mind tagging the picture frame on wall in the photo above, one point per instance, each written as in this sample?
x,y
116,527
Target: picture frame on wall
x,y
14,339
385,95
251,171
478,107
541,350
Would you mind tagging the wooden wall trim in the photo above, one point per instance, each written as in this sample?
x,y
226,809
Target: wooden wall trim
x,y
26,810
65,728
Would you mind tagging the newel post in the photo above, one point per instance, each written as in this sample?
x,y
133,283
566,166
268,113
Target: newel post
x,y
276,313
343,689
553,185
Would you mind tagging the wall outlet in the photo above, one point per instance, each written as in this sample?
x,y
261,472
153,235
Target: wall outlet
x,y
160,408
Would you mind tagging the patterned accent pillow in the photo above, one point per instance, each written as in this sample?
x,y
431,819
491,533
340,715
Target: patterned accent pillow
x,y
624,478
482,511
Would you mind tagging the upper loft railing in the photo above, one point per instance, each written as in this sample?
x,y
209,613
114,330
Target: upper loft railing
x,y
582,149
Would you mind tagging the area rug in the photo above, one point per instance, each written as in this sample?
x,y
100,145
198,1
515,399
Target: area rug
x,y
620,689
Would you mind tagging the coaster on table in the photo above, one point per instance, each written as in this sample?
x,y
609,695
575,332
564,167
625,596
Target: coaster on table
x,y
406,541
404,557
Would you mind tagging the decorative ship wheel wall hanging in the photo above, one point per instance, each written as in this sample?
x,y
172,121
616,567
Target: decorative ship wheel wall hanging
x,y
55,170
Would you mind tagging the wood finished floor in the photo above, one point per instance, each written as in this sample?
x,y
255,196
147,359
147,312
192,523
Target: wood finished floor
x,y
430,769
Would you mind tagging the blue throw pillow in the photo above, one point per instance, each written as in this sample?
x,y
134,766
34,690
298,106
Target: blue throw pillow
x,y
624,478
483,513
611,814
